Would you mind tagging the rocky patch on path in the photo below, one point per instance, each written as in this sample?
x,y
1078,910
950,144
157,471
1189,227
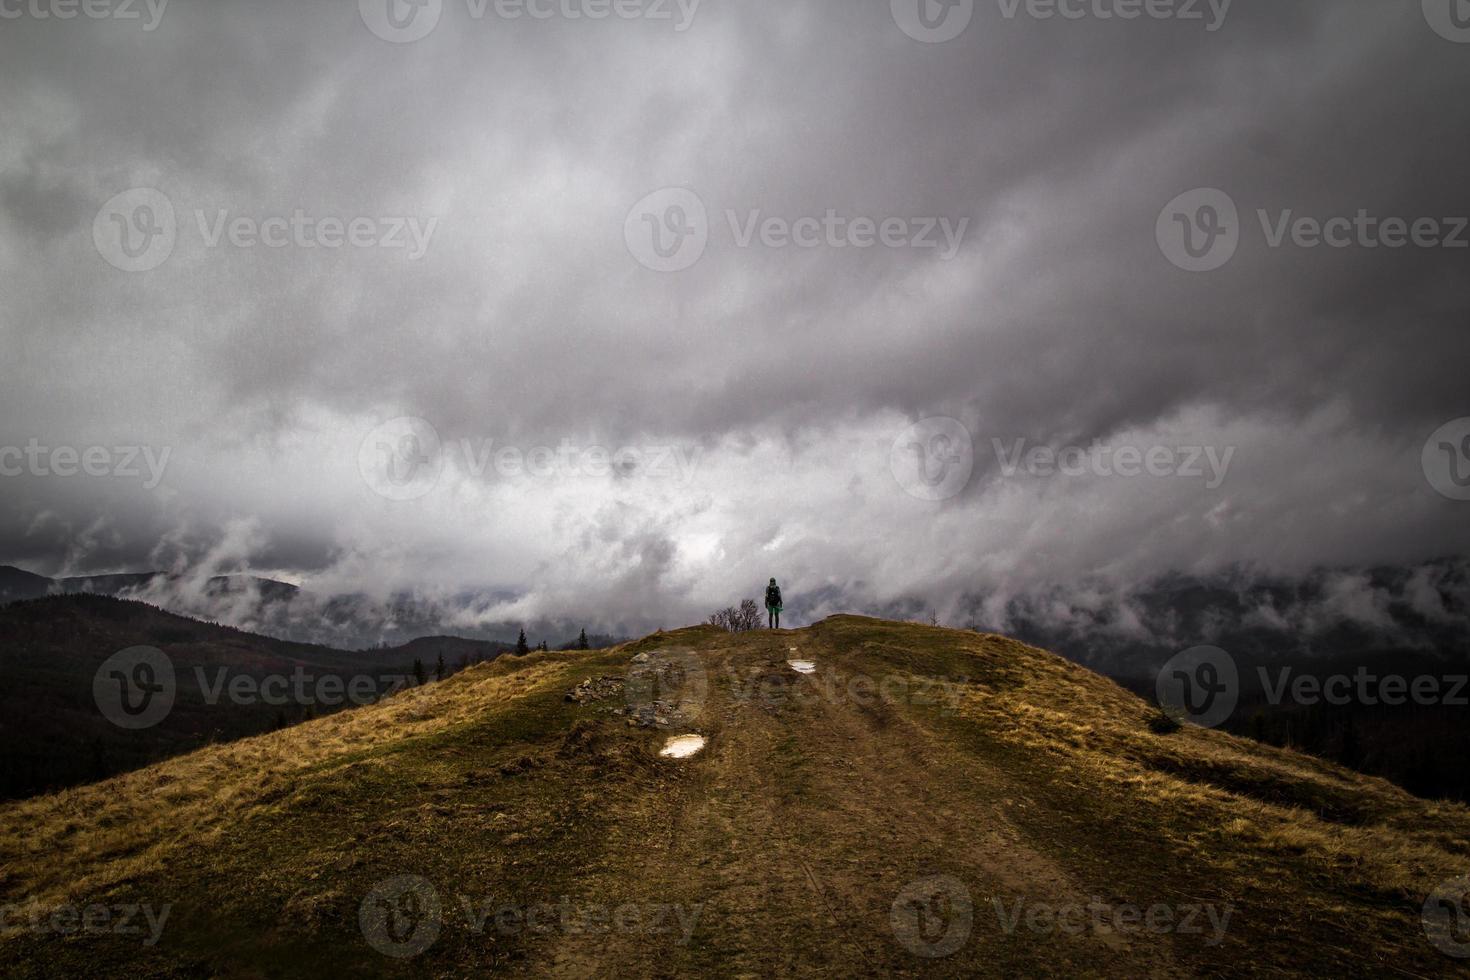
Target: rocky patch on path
x,y
596,689
660,691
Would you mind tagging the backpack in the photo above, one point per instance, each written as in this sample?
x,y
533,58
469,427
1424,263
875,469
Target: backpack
x,y
773,595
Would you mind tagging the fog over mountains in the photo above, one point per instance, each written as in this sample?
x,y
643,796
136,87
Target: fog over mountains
x,y
1327,614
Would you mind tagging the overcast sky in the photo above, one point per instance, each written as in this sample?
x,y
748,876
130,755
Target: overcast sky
x,y
554,231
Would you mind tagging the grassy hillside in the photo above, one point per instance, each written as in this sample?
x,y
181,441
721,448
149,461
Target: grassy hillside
x,y
53,735
928,802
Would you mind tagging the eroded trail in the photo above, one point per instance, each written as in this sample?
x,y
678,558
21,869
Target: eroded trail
x,y
816,805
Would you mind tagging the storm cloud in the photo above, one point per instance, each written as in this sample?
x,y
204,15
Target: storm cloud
x,y
863,227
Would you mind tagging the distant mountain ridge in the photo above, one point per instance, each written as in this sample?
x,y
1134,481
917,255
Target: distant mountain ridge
x,y
278,609
17,584
53,650
1328,613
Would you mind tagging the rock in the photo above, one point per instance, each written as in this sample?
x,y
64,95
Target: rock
x,y
599,689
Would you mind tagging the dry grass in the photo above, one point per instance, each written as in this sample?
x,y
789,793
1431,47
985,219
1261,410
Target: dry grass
x,y
1100,735
797,827
83,841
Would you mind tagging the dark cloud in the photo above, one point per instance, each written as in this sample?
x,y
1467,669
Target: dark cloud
x,y
791,371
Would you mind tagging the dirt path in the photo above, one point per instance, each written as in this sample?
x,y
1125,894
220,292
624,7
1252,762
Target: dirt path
x,y
814,807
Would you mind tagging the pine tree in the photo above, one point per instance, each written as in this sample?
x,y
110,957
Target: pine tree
x,y
582,643
418,672
521,648
439,669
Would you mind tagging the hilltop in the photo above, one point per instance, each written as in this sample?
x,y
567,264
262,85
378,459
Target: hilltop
x,y
924,802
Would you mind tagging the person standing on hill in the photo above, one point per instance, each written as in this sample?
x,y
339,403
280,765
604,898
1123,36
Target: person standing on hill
x,y
773,604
